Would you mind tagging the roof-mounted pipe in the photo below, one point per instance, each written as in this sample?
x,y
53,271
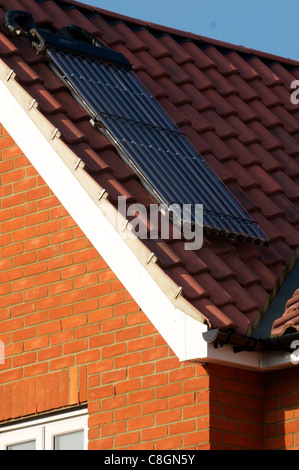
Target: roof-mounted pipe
x,y
76,32
71,39
18,23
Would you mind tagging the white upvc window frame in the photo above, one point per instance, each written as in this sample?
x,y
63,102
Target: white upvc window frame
x,y
65,426
22,436
44,429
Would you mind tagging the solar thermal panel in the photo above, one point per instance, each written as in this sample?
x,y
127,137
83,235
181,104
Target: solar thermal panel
x,y
151,143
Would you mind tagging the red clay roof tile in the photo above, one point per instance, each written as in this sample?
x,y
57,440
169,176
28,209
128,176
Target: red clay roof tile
x,y
291,188
265,137
7,48
266,159
224,174
132,40
268,77
223,86
290,317
26,75
59,17
283,96
224,66
199,143
243,89
177,97
37,11
152,44
285,76
218,269
266,116
221,105
200,100
79,19
243,273
110,36
288,121
245,180
233,105
265,275
13,5
219,148
48,103
178,53
268,183
246,71
199,79
245,135
243,154
132,58
95,162
289,141
244,111
200,59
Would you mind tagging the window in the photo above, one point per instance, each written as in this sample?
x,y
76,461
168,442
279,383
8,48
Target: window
x,y
60,431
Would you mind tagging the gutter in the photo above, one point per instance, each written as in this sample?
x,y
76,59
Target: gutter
x,y
247,343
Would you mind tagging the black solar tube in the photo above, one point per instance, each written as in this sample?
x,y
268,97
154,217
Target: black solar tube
x,y
118,105
84,94
181,169
135,107
147,105
156,157
226,199
146,161
131,148
209,197
144,102
105,102
165,120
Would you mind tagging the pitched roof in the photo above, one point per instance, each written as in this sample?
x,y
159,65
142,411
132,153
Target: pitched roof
x,y
232,103
290,318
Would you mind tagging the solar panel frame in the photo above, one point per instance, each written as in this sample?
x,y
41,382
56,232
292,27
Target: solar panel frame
x,y
151,143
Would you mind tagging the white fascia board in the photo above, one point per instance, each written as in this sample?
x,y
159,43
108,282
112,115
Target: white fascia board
x,y
34,135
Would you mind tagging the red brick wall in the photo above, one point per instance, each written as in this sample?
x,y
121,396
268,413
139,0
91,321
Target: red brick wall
x,y
237,408
282,410
74,335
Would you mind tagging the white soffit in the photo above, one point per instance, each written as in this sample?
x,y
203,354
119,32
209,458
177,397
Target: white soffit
x,y
177,321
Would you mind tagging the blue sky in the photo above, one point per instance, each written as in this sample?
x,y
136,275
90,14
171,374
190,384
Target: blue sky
x,y
266,25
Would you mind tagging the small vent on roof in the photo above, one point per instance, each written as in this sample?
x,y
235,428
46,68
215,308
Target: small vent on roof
x,y
103,82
